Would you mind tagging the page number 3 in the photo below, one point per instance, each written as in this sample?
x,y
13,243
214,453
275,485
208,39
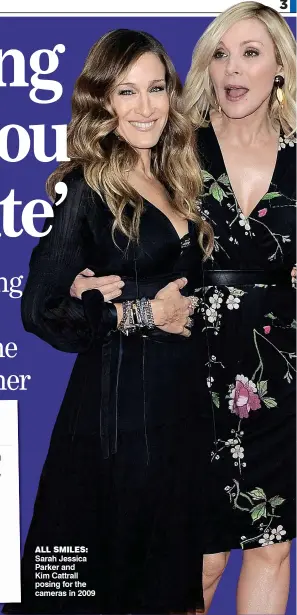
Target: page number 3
x,y
283,5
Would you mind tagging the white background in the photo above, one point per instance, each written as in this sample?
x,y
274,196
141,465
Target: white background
x,y
131,6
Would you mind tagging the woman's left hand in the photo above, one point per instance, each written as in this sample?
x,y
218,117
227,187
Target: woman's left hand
x,y
109,285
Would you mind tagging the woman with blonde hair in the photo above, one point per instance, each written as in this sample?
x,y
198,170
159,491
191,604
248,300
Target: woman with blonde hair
x,y
240,96
119,496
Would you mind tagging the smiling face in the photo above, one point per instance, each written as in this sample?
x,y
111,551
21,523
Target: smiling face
x,y
141,103
243,68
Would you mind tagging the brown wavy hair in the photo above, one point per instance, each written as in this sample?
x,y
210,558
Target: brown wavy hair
x,y
106,159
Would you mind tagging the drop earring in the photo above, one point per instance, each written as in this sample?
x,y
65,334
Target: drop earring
x,y
116,134
219,108
279,82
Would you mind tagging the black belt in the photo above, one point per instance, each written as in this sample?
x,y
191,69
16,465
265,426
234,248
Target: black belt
x,y
148,287
242,277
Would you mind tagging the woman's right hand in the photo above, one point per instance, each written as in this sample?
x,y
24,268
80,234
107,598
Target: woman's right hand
x,y
109,285
171,310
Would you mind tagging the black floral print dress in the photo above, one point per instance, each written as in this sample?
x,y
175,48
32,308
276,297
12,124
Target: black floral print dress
x,y
247,313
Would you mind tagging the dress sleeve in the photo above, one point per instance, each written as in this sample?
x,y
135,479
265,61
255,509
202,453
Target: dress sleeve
x,y
48,310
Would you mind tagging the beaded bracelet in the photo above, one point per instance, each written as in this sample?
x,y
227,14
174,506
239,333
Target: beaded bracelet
x,y
137,315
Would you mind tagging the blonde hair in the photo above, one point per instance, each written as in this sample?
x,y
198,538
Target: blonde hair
x,y
106,159
199,96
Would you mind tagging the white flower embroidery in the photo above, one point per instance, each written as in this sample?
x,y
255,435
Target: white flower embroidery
x,y
209,381
211,314
277,533
237,452
284,141
243,221
232,302
215,301
265,540
231,442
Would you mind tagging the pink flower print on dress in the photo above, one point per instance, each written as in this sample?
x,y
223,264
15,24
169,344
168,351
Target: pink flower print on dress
x,y
262,212
244,397
267,329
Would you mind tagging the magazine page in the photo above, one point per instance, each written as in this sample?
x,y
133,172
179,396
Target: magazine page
x,y
147,288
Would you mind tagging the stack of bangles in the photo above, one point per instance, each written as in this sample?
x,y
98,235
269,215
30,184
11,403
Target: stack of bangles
x,y
138,314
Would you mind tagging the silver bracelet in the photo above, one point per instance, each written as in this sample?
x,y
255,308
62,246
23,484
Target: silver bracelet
x,y
127,325
147,313
137,315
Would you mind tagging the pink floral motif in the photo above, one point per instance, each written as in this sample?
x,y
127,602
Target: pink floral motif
x,y
244,397
262,212
267,329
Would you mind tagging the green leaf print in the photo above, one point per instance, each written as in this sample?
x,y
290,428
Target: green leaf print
x,y
217,192
207,176
293,324
269,402
215,399
270,315
224,179
276,501
270,195
257,494
262,387
236,292
258,511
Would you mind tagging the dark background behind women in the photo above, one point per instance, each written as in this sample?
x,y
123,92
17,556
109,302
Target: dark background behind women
x,y
35,357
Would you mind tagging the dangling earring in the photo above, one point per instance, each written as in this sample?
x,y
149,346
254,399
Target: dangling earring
x,y
219,108
116,134
279,82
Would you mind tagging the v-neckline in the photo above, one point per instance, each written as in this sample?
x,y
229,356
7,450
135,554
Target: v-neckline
x,y
272,180
169,221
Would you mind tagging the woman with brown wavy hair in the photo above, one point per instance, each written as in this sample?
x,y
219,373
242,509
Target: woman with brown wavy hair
x,y
119,495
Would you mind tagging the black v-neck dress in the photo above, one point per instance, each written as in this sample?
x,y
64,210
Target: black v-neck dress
x,y
121,487
247,311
